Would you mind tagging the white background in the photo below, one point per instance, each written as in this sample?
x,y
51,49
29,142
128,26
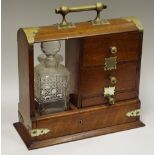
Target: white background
x,y
23,13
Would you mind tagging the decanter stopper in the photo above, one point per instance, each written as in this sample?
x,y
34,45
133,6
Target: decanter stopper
x,y
51,48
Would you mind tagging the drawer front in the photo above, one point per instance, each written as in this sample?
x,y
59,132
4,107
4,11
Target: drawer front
x,y
88,119
100,99
96,48
94,79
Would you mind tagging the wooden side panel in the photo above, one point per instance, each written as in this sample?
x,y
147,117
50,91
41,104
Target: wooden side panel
x,y
26,78
72,57
139,61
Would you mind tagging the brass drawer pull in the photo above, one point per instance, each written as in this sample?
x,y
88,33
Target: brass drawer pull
x,y
113,80
111,100
113,49
64,10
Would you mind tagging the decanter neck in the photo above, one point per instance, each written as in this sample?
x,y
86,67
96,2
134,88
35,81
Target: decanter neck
x,y
50,61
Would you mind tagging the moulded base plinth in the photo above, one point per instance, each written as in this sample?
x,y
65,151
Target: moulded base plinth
x,y
33,144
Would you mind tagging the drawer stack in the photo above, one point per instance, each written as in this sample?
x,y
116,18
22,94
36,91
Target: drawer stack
x,y
88,57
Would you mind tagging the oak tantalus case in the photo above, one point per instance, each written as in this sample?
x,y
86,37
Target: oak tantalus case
x,y
104,59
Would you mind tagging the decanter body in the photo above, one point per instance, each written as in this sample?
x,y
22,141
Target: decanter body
x,y
51,80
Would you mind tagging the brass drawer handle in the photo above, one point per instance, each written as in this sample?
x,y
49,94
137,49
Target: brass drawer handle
x,y
64,10
113,80
113,49
111,100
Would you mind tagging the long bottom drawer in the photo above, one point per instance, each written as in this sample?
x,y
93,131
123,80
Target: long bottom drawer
x,y
81,120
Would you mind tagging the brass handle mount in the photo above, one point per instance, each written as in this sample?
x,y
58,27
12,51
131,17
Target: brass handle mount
x,y
64,10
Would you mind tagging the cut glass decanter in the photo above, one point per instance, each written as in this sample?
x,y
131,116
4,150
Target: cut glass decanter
x,y
51,80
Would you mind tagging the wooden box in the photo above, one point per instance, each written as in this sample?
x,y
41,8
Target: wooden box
x,y
88,49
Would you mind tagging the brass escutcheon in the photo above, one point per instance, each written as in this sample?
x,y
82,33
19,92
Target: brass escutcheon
x,y
110,63
109,92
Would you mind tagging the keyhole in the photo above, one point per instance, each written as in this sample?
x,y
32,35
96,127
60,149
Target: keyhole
x,y
81,122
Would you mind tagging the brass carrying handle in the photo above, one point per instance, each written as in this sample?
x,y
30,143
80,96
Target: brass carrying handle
x,y
64,10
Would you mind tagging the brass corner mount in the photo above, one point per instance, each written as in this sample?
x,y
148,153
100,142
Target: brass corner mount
x,y
136,21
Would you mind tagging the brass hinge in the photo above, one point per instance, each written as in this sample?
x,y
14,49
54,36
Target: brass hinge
x,y
38,132
133,113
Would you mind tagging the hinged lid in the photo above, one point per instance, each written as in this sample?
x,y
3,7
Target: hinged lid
x,y
84,29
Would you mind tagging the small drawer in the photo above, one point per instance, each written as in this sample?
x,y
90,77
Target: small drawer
x,y
96,48
81,120
101,100
94,79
